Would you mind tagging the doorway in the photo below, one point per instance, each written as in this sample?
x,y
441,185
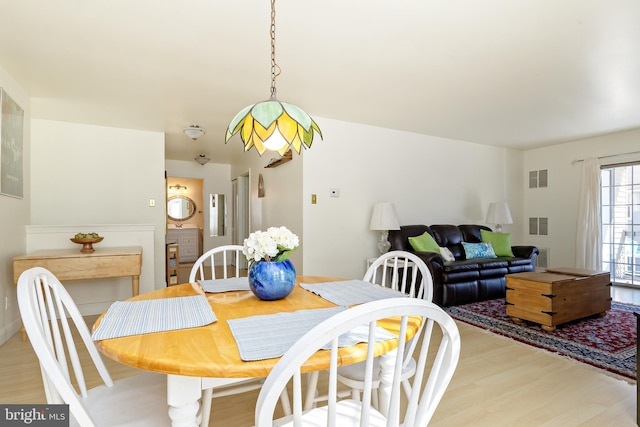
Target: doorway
x,y
241,200
620,210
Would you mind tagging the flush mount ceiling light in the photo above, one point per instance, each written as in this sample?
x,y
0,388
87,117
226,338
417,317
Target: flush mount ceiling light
x,y
193,131
202,159
271,124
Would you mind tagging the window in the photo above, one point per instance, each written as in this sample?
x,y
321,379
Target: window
x,y
620,203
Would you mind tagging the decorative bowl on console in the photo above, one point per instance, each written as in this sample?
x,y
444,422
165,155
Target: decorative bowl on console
x,y
87,240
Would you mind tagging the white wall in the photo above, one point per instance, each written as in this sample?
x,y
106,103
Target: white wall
x,y
559,201
85,175
14,216
216,180
431,181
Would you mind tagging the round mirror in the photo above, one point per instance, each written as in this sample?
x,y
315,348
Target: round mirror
x,y
180,208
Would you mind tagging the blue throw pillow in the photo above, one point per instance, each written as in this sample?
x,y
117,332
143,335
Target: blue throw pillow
x,y
478,250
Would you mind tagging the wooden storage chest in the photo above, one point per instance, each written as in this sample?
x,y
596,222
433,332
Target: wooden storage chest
x,y
557,296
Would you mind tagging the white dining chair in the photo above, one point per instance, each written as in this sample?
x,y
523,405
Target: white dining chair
x,y
46,308
227,260
428,384
401,271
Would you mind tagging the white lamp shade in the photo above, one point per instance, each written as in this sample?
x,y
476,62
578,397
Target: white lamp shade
x,y
384,217
499,214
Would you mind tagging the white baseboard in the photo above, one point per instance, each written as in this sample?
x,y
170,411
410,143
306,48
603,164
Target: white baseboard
x,y
89,309
9,330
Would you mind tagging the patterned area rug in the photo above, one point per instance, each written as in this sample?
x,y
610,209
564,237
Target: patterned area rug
x,y
607,342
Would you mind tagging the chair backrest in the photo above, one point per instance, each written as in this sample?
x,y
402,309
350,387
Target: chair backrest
x,y
427,390
45,308
222,256
402,271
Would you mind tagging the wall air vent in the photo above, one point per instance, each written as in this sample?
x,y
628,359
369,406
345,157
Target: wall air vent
x,y
542,262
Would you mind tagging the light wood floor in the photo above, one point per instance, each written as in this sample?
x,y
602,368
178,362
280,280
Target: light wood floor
x,y
498,382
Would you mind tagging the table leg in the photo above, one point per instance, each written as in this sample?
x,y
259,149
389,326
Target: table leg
x,y
183,394
135,285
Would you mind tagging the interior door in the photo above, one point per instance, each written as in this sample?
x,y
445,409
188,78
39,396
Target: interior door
x,y
240,222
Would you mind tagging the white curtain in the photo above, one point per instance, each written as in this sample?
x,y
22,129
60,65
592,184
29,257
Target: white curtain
x,y
588,232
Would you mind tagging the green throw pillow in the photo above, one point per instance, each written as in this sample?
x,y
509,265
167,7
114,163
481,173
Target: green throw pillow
x,y
501,242
424,243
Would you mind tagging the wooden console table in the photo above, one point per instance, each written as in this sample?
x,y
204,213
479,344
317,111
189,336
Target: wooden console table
x,y
70,264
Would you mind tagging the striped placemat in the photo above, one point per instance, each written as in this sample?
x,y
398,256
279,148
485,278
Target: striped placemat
x,y
125,318
268,336
225,285
351,292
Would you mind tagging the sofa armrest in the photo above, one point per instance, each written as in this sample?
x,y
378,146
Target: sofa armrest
x,y
525,251
434,263
429,257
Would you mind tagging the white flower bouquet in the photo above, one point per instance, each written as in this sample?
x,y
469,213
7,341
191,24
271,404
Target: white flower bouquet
x,y
275,244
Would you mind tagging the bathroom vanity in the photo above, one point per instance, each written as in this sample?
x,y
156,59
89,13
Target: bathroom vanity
x,y
188,241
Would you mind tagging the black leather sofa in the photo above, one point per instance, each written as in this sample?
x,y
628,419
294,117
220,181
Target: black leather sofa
x,y
464,281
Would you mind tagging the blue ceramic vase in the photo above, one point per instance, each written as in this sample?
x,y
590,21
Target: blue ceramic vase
x,y
271,281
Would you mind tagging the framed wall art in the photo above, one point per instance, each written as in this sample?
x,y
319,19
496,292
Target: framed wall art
x,y
11,148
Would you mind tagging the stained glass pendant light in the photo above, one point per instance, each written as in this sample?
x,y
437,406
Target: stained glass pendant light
x,y
272,124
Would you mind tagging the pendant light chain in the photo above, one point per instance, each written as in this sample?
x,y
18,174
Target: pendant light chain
x,y
259,124
275,69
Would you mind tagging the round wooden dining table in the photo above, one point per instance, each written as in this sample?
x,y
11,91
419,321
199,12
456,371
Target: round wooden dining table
x,y
190,356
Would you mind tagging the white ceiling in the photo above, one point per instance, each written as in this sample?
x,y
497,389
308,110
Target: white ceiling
x,y
512,73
